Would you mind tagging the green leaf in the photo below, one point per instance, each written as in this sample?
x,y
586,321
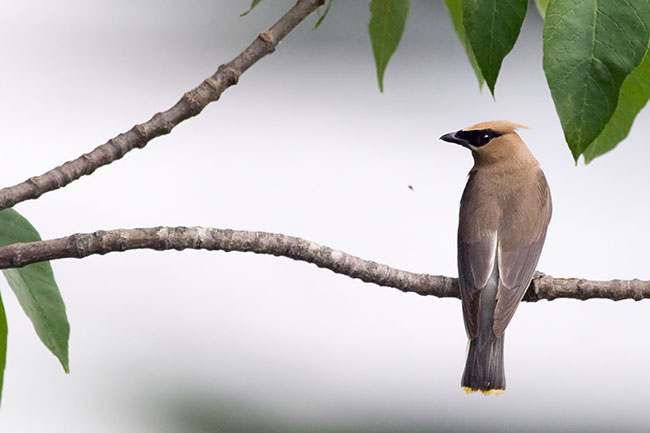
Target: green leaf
x,y
590,47
36,289
455,8
3,344
387,22
322,17
492,28
541,6
635,93
253,4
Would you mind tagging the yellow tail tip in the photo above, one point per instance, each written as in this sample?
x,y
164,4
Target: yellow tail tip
x,y
469,390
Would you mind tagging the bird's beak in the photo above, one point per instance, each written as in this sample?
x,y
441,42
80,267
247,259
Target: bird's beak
x,y
452,138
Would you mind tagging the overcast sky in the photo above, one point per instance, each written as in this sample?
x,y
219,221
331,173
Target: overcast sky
x,y
307,146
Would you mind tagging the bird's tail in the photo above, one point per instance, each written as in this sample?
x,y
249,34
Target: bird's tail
x,y
484,369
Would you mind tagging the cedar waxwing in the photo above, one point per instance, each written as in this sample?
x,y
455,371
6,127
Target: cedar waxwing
x,y
504,212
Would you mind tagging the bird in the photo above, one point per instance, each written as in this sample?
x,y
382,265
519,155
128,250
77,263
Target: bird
x,y
504,214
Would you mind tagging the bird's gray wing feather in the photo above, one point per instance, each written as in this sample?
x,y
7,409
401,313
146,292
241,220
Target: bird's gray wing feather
x,y
476,261
516,269
521,238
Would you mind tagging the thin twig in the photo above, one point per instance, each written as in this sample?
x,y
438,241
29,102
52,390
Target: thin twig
x,y
191,104
180,238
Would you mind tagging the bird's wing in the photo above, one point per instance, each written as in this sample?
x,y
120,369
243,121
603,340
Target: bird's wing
x,y
516,269
477,246
476,262
520,244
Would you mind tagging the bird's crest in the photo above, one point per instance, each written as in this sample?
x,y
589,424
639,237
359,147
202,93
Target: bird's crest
x,y
499,126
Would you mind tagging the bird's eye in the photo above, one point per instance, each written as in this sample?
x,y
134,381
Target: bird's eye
x,y
484,137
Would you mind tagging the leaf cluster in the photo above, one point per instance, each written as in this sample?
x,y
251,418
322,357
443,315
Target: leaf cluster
x,y
37,293
596,57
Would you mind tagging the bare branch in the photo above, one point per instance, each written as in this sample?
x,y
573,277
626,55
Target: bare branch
x,y
191,104
180,238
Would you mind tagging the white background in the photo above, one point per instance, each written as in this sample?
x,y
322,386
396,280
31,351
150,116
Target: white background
x,y
304,145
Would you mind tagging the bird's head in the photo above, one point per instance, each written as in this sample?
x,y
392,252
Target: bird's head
x,y
490,141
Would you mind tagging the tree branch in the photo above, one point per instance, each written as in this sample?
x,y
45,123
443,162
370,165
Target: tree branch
x,y
191,104
180,238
